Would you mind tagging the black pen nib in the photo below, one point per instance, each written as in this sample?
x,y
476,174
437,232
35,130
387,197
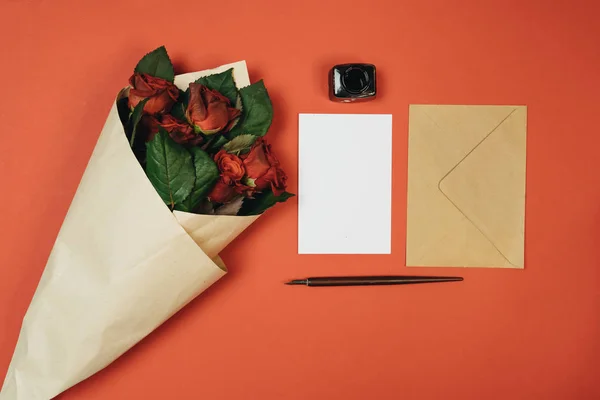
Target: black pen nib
x,y
296,282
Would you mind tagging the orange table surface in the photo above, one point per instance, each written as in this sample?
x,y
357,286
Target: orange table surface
x,y
500,334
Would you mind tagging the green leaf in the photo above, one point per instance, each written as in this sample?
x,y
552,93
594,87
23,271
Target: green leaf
x,y
239,144
222,83
158,64
262,202
238,105
178,111
135,118
257,113
170,168
207,173
215,144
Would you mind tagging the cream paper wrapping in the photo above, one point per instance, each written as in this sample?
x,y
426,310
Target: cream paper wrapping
x,y
122,264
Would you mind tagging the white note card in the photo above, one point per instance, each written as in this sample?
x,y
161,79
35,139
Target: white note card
x,y
345,184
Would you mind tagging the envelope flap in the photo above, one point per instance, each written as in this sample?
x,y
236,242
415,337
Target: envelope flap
x,y
488,186
442,135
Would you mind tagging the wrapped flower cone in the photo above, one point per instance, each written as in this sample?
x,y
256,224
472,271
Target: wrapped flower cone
x,y
122,264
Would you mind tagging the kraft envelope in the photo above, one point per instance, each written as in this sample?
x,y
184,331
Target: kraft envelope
x,y
466,186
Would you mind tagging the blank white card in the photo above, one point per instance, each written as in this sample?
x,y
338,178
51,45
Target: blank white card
x,y
345,184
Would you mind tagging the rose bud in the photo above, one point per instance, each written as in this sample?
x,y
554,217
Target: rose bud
x,y
180,132
263,170
161,94
231,169
209,111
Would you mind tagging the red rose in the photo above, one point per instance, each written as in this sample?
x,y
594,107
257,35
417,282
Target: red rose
x,y
232,171
221,193
161,94
209,111
180,131
263,167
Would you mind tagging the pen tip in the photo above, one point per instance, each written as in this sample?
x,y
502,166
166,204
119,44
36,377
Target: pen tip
x,y
296,282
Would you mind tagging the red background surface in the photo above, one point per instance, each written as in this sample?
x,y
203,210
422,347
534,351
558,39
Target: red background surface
x,y
501,334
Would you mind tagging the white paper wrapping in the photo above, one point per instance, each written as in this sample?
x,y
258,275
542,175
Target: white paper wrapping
x,y
121,265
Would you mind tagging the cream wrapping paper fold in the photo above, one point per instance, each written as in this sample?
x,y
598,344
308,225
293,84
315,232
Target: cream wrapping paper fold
x,y
122,264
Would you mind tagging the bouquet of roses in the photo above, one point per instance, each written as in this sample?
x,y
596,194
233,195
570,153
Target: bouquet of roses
x,y
180,169
202,148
